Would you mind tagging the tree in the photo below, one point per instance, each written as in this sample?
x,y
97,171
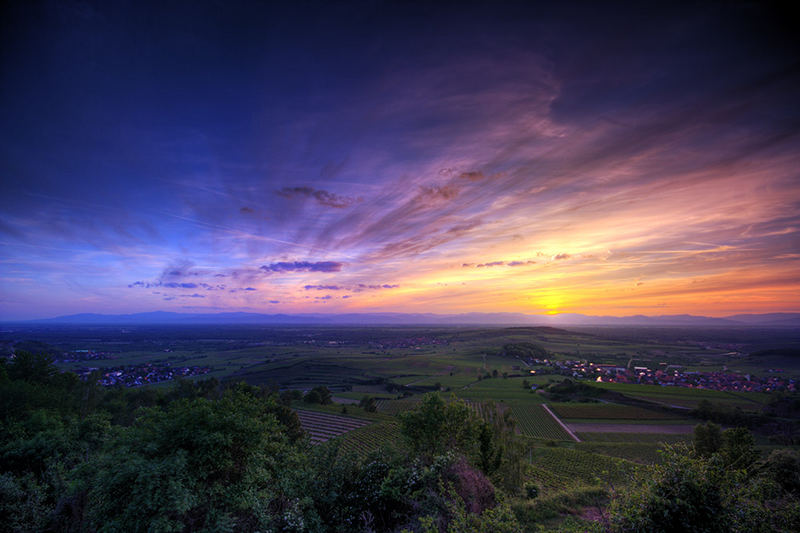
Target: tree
x,y
436,426
195,464
784,467
490,454
368,404
319,395
34,368
738,448
707,439
681,494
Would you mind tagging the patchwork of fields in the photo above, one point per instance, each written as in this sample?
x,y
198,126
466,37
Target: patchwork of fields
x,y
324,426
619,425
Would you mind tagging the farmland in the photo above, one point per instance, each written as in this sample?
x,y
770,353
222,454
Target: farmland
x,y
322,427
369,438
620,426
534,421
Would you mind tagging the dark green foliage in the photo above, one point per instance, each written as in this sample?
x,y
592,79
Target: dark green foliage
x,y
368,404
436,426
731,416
681,494
196,464
687,492
738,449
707,439
524,350
201,456
319,395
783,466
23,503
31,367
289,396
490,454
569,390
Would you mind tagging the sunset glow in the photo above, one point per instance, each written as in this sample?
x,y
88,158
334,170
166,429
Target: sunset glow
x,y
530,162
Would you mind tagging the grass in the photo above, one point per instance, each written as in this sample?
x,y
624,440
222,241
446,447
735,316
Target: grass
x,y
633,421
498,389
589,411
684,396
567,467
548,512
638,452
633,437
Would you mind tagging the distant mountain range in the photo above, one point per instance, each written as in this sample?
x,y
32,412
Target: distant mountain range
x,y
515,319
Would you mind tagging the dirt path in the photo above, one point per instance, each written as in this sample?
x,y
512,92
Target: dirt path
x,y
560,423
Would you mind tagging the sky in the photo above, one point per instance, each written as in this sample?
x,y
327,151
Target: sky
x,y
600,158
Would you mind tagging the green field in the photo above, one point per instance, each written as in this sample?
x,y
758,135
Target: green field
x,y
534,421
607,411
632,437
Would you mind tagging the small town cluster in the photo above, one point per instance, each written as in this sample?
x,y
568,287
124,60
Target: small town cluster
x,y
135,375
669,376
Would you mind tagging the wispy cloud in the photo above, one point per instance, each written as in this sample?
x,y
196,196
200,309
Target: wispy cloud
x,y
325,198
303,266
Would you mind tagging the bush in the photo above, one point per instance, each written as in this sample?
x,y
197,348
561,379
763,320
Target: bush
x,y
683,493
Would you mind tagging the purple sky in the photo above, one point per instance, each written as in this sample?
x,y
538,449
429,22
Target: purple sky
x,y
371,156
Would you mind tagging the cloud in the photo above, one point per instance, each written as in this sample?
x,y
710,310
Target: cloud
x,y
515,263
246,210
322,197
472,176
365,287
274,301
361,287
559,257
175,285
438,192
303,266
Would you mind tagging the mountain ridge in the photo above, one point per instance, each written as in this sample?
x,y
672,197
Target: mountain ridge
x,y
474,318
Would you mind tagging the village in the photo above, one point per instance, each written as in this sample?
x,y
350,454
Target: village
x,y
669,375
136,375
